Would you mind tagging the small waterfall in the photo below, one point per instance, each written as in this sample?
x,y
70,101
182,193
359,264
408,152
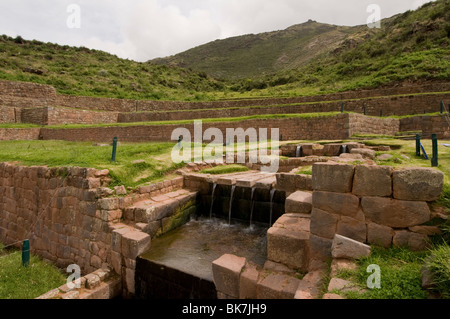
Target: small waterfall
x,y
298,151
231,204
344,149
252,205
212,200
272,193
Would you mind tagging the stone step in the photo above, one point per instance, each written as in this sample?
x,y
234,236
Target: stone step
x,y
158,207
299,203
288,241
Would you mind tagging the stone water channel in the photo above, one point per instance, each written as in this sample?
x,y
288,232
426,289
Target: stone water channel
x,y
233,215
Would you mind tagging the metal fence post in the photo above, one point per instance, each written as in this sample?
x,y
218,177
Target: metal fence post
x,y
418,145
114,149
26,253
434,160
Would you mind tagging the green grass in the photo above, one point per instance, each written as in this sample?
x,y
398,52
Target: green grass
x,y
439,265
213,120
157,157
18,282
400,275
228,169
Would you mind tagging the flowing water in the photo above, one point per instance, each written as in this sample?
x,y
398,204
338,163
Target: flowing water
x,y
231,204
212,200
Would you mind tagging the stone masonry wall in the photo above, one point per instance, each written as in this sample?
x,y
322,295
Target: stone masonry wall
x,y
371,204
317,128
21,95
439,125
17,134
58,210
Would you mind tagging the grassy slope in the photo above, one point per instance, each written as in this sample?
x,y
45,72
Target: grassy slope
x,y
255,54
80,71
306,59
413,46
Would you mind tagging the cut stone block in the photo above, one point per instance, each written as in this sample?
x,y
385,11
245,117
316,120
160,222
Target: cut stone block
x,y
372,180
379,235
294,182
226,273
277,286
338,265
341,285
364,152
347,248
135,243
333,177
413,241
336,203
426,230
288,246
323,224
299,203
319,252
311,285
248,282
395,213
418,184
352,228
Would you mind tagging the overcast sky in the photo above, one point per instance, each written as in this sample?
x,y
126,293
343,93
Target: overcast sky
x,y
145,29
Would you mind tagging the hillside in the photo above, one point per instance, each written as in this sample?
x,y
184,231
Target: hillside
x,y
81,71
266,53
305,59
313,57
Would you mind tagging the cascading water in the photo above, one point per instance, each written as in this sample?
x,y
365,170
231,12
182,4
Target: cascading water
x,y
212,200
231,204
344,149
272,193
252,204
298,152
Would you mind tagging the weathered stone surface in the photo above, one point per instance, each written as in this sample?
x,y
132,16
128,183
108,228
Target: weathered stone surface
x,y
379,235
293,182
92,281
418,184
135,243
413,241
288,247
71,295
364,152
395,213
323,224
248,282
385,157
426,230
299,203
52,294
332,177
338,265
372,180
348,248
341,285
337,203
277,286
120,190
226,274
352,228
311,284
319,252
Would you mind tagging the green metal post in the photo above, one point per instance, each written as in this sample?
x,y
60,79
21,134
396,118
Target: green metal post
x,y
381,113
342,107
442,107
434,160
26,253
114,149
417,145
364,110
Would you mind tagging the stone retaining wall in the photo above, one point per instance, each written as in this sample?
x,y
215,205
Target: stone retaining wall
x,y
60,115
340,126
439,125
18,134
371,204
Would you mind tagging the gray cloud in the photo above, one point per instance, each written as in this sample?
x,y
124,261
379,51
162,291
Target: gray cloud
x,y
145,29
